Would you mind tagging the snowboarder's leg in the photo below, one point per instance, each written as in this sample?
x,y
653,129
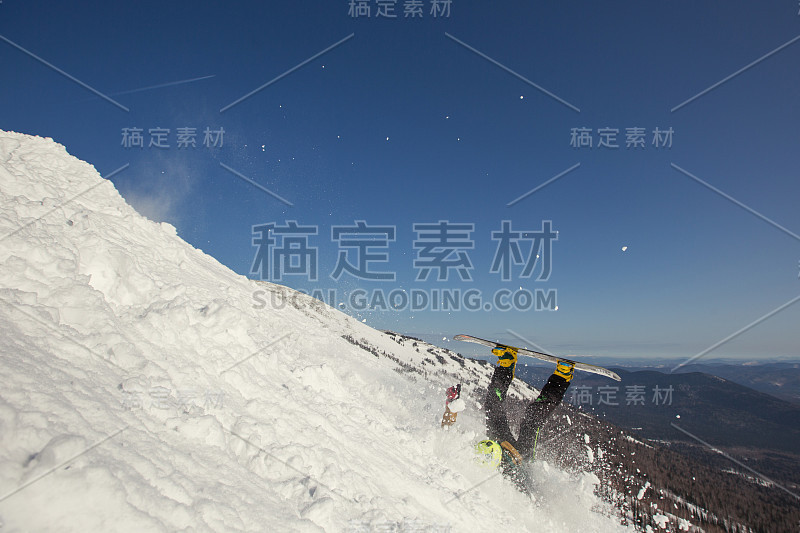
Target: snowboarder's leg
x,y
540,409
496,419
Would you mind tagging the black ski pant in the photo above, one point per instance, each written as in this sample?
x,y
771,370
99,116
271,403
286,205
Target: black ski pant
x,y
535,413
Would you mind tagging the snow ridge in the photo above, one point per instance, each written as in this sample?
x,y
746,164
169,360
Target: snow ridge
x,y
144,391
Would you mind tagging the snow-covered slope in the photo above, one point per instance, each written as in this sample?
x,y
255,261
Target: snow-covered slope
x,y
142,389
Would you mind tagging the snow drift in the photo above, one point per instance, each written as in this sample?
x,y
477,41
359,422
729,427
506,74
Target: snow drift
x,y
143,391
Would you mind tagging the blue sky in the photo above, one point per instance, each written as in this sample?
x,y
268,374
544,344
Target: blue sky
x,y
465,138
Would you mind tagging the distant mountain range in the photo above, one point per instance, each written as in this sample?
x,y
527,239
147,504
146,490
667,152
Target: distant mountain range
x,y
712,408
781,380
706,417
778,378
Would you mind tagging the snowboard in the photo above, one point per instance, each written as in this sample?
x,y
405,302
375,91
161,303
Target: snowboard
x,y
586,367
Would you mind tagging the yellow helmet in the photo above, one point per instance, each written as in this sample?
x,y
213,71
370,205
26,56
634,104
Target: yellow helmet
x,y
488,453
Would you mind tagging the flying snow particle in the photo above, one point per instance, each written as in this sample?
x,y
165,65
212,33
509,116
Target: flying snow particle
x,y
624,248
677,416
556,308
521,97
387,138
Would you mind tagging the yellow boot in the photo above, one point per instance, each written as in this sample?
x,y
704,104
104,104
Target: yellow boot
x,y
507,355
565,369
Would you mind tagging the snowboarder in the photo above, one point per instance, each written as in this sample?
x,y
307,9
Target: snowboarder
x,y
452,406
501,448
